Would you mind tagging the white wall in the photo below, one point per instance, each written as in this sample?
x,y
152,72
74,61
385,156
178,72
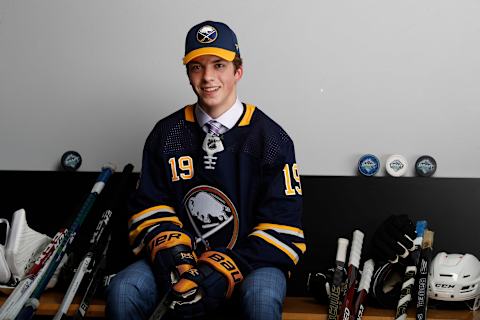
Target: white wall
x,y
344,78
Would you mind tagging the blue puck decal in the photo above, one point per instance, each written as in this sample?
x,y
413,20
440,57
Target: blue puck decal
x,y
425,166
368,165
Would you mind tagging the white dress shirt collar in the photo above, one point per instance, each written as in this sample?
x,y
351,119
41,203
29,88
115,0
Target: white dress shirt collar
x,y
228,119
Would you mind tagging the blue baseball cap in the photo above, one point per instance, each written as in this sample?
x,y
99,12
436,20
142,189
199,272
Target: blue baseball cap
x,y
211,37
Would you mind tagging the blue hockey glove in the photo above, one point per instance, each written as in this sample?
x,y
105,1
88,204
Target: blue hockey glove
x,y
203,289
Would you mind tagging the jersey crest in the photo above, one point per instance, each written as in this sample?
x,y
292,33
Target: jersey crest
x,y
209,211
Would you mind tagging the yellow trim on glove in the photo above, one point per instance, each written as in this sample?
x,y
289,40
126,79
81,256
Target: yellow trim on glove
x,y
168,239
225,265
185,285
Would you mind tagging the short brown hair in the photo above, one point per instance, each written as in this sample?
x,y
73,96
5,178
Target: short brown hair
x,y
237,62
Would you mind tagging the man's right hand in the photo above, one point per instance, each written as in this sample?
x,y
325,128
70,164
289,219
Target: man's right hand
x,y
171,254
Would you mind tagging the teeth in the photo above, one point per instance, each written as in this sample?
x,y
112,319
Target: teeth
x,y
210,89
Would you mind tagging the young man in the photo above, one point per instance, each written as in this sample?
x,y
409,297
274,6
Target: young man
x,y
217,212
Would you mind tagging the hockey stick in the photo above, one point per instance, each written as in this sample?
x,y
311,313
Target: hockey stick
x,y
363,288
98,244
98,273
22,291
96,276
336,289
410,273
353,264
32,303
425,259
162,307
82,269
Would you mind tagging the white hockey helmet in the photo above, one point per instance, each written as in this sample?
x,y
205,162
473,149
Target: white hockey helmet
x,y
455,277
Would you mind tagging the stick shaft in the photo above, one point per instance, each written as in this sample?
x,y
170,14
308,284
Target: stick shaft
x,y
363,288
353,264
410,273
425,260
335,291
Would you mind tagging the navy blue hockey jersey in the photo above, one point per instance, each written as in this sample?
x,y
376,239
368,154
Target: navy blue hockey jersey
x,y
245,196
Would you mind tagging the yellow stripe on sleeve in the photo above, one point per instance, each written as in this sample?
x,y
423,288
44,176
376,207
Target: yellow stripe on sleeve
x,y
278,244
280,229
148,212
134,233
301,246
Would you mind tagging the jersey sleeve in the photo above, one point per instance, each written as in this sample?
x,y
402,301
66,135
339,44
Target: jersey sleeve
x,y
151,206
277,238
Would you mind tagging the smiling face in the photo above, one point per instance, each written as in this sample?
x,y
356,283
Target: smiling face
x,y
214,81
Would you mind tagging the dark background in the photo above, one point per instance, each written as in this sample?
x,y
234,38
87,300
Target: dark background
x,y
333,207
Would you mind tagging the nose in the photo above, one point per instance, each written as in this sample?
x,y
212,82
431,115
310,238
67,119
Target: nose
x,y
208,73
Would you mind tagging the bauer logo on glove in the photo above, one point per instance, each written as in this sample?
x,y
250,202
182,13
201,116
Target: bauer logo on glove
x,y
227,263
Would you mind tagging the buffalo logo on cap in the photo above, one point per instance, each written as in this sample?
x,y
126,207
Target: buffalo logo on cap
x,y
207,34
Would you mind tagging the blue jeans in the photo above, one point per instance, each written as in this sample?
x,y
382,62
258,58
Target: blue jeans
x,y
132,294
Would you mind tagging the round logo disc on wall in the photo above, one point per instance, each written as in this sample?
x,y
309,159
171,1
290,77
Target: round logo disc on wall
x,y
71,161
425,166
396,165
368,165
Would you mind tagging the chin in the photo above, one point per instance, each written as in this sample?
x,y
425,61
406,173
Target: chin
x,y
209,104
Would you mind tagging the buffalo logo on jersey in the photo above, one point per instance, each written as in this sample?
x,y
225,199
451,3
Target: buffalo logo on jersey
x,y
207,34
210,211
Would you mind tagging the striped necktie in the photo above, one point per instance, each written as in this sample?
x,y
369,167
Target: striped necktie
x,y
213,127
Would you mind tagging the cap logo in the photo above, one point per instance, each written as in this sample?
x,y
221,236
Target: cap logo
x,y
207,34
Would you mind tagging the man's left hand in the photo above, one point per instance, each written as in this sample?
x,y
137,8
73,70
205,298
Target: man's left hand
x,y
204,288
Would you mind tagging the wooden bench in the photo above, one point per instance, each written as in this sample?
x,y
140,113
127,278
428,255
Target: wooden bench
x,y
304,308
295,308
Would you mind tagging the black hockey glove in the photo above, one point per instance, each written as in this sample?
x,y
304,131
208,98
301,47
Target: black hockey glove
x,y
203,289
171,254
319,284
393,239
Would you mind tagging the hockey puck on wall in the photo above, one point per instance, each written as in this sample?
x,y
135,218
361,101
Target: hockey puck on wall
x,y
425,166
71,161
368,165
396,165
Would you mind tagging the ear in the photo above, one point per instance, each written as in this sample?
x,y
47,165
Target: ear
x,y
239,73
